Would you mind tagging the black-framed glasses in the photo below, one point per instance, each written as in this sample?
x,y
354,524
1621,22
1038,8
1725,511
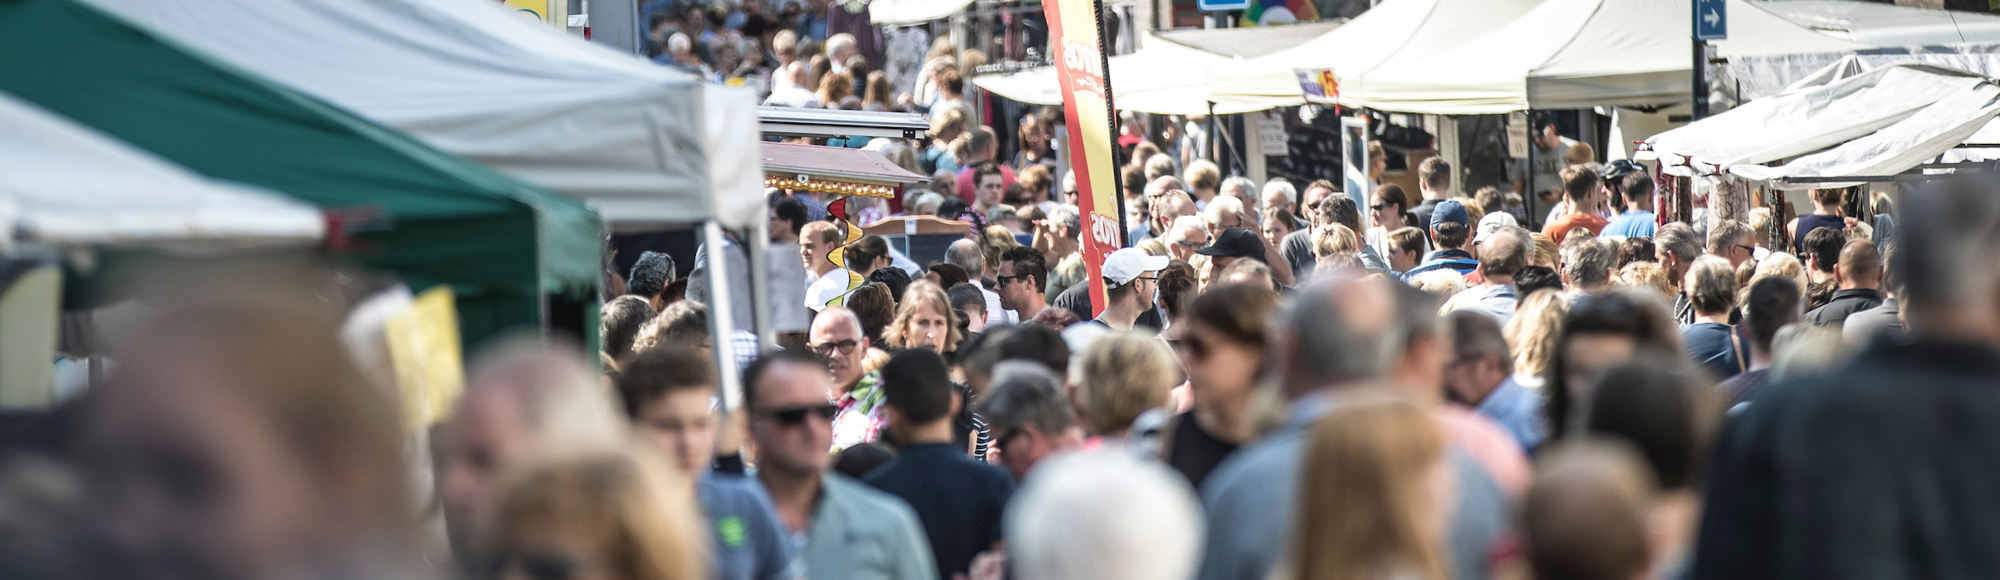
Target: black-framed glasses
x,y
1378,207
827,349
1002,280
1153,278
1751,249
797,415
1004,440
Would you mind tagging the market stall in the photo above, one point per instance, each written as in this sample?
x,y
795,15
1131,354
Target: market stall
x,y
1161,78
640,143
1566,54
1393,29
1869,126
516,256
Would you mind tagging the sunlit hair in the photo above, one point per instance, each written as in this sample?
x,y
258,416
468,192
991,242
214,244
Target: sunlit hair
x,y
1333,239
637,515
924,294
1103,514
1532,332
1365,508
1122,375
1647,275
1781,264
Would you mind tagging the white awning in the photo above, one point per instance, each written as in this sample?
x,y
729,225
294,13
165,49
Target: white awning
x,y
1880,122
1162,78
1390,30
637,141
1566,54
64,184
891,12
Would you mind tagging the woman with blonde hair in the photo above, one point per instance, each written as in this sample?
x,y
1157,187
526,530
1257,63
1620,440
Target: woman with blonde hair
x,y
1533,332
1377,487
925,319
610,515
1122,376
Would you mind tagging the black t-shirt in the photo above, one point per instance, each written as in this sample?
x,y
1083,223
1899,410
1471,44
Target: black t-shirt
x,y
1076,299
1194,452
959,501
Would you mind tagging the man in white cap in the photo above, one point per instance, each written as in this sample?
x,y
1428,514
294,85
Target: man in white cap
x,y
1130,276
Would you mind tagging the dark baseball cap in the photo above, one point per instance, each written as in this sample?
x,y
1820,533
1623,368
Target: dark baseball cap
x,y
1235,243
1450,210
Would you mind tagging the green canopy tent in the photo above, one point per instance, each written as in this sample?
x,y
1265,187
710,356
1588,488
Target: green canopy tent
x,y
507,249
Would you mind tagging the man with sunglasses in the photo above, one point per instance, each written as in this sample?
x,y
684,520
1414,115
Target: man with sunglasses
x,y
838,339
1022,280
1130,277
668,394
842,528
1029,416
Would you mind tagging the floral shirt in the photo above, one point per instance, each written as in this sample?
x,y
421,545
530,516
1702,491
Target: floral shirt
x,y
862,415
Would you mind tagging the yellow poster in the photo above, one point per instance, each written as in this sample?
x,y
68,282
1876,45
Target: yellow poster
x,y
424,351
545,11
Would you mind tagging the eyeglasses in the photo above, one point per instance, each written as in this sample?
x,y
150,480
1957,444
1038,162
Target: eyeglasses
x,y
1004,440
1002,280
827,349
1196,348
1378,207
537,566
1153,278
1751,249
797,415
1192,244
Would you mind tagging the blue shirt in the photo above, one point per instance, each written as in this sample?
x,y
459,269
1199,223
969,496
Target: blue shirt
x,y
1252,501
1708,345
960,501
750,542
1631,224
1519,410
859,533
1459,261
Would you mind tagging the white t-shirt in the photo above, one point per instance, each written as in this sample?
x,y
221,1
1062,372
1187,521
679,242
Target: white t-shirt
x,y
994,313
826,288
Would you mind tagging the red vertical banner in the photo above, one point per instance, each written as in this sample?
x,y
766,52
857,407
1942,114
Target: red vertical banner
x,y
1078,49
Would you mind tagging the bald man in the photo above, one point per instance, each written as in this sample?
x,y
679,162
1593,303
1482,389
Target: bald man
x,y
837,337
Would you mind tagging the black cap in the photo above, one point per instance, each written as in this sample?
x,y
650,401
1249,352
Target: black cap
x,y
1619,168
1235,243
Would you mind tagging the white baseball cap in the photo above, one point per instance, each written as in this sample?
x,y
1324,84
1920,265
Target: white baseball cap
x,y
1127,264
1493,222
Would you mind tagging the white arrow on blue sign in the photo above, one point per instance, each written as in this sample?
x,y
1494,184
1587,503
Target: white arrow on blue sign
x,y
1711,19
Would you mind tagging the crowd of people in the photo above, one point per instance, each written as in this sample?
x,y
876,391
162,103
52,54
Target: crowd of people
x,y
1285,380
1320,398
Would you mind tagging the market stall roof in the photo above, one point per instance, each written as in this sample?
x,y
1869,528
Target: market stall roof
x,y
500,243
1391,29
1888,24
802,122
1249,41
1566,54
1880,122
1162,78
638,141
65,185
840,163
893,12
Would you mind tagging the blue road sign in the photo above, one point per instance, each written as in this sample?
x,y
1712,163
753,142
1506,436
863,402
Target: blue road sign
x,y
1711,19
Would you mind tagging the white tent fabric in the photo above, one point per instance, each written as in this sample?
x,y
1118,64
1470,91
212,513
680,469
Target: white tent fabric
x,y
637,141
64,184
1389,30
1879,122
1566,54
1163,78
893,12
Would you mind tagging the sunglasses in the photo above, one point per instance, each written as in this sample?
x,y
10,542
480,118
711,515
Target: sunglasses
x,y
1195,347
1750,249
1378,207
797,415
827,349
537,566
1002,280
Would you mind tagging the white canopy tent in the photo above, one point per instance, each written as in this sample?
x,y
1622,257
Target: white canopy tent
x,y
639,142
1566,54
65,185
1162,78
1392,29
1880,122
895,12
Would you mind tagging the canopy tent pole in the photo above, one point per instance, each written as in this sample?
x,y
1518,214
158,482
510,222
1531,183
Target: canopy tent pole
x,y
721,324
1528,193
760,284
